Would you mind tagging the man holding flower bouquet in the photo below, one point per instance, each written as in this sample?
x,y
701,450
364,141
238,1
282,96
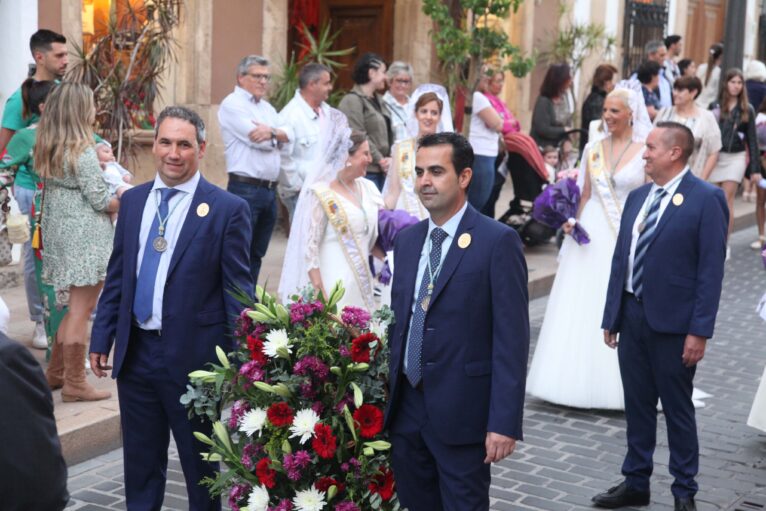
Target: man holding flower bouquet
x,y
460,342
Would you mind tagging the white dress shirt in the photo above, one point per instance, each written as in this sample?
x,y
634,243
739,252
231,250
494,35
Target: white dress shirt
x,y
304,150
399,116
238,114
450,227
670,187
178,208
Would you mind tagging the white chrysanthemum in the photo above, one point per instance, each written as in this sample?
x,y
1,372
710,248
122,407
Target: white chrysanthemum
x,y
309,500
253,422
258,499
303,424
274,340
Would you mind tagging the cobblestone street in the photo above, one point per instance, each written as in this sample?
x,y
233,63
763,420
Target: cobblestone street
x,y
569,455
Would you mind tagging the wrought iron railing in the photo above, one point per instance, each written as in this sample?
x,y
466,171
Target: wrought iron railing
x,y
644,21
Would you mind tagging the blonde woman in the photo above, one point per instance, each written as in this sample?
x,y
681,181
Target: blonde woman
x,y
76,230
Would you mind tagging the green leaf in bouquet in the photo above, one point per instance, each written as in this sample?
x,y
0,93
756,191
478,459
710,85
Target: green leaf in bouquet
x,y
282,390
336,371
282,315
203,438
350,422
283,353
359,367
358,397
378,445
222,358
286,447
211,456
332,491
205,376
260,307
368,451
220,432
261,385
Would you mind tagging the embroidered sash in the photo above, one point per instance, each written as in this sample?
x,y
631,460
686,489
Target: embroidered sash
x,y
337,218
602,184
408,199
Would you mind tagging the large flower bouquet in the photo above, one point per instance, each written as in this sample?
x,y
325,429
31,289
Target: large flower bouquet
x,y
307,393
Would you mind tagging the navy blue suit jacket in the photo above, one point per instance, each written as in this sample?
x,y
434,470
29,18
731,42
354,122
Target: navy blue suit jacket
x,y
476,334
211,258
683,267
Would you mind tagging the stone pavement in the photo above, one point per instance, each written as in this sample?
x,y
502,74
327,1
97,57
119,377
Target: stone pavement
x,y
569,455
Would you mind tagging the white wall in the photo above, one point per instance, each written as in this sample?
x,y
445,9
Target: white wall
x,y
19,23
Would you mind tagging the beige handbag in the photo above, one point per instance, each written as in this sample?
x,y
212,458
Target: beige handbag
x,y
18,228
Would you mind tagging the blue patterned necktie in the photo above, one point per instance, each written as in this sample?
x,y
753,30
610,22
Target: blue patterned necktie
x,y
415,344
645,239
143,300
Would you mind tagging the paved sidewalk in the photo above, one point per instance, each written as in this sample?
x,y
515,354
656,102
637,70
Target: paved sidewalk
x,y
569,455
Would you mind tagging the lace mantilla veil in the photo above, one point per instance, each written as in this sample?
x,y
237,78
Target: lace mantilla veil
x,y
337,142
642,125
445,123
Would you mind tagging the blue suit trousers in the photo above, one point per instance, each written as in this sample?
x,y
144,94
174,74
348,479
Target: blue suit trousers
x,y
651,369
431,475
149,410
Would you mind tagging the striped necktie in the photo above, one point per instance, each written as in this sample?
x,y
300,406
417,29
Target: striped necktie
x,y
647,228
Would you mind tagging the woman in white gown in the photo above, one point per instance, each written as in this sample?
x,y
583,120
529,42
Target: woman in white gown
x,y
572,366
757,417
429,112
336,222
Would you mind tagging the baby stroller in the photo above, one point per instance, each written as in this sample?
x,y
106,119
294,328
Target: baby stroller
x,y
529,176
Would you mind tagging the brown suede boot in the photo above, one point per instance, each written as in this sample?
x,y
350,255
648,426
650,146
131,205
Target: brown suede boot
x,y
55,372
76,388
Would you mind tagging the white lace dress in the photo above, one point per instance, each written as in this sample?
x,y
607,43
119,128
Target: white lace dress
x,y
572,366
326,249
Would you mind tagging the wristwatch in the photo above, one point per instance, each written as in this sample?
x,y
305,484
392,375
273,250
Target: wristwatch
x,y
273,137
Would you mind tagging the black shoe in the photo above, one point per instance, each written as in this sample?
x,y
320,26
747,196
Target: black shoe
x,y
685,504
621,496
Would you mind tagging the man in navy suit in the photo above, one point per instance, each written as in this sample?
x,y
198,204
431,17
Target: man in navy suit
x,y
662,299
460,342
180,247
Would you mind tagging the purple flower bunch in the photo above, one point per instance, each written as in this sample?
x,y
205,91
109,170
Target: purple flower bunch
x,y
346,505
252,372
238,409
248,453
355,316
284,505
295,463
238,493
300,311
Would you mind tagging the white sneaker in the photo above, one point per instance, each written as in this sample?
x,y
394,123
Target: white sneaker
x,y
39,339
757,244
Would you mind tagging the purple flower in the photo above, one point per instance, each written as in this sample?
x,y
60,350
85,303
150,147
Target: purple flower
x,y
312,366
237,494
284,505
318,407
355,316
248,453
252,372
348,399
243,324
300,311
344,351
308,391
346,505
295,463
238,409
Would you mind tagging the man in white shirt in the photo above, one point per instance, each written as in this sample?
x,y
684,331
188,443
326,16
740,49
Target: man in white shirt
x,y
252,136
306,115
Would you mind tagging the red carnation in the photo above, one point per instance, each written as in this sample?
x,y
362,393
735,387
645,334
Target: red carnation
x,y
324,442
383,484
280,414
370,420
267,476
255,345
323,484
360,347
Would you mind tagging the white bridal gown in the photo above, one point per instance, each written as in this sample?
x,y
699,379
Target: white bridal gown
x,y
572,366
325,248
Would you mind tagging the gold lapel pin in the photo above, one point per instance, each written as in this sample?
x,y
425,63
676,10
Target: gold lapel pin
x,y
678,199
203,209
464,240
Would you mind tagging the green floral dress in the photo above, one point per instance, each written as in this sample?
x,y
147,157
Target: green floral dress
x,y
76,230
